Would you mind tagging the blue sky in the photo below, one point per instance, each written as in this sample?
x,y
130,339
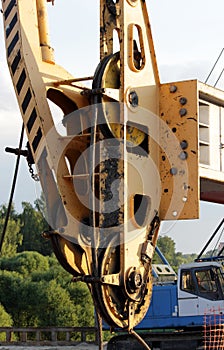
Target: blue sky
x,y
188,36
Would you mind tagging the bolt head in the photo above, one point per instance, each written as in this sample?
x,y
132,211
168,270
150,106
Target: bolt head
x,y
173,88
183,101
133,98
183,112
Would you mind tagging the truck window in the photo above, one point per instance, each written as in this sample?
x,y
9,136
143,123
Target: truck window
x,y
187,283
208,281
205,282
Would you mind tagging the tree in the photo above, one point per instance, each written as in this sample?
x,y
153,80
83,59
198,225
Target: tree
x,y
12,238
175,259
167,247
37,291
10,283
79,292
57,308
5,321
5,318
25,263
83,302
32,226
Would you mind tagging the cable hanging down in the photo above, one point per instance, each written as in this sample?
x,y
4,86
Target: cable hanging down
x,y
12,188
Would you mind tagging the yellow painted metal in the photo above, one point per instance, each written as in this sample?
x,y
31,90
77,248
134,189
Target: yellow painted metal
x,y
179,151
47,51
144,80
111,79
109,27
138,94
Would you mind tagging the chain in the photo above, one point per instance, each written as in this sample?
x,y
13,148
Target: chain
x,y
35,177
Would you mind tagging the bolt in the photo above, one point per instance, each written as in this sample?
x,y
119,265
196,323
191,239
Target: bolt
x,y
184,144
61,230
173,88
183,101
183,155
173,171
183,112
138,280
133,98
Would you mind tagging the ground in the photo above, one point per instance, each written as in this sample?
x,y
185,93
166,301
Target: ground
x,y
82,346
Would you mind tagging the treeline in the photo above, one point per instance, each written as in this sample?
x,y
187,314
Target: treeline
x,y
35,290
168,248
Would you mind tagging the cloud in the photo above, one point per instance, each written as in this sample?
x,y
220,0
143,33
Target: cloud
x,y
184,71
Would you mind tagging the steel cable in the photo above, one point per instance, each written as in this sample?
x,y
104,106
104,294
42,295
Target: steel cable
x,y
12,189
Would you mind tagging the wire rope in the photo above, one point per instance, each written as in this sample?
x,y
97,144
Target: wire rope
x,y
12,189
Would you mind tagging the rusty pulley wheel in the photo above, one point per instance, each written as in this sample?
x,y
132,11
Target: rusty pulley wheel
x,y
111,298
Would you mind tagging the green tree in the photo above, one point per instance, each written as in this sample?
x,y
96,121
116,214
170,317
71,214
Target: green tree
x,y
83,302
167,247
5,321
5,318
79,292
37,291
10,283
28,306
57,308
12,238
32,226
25,263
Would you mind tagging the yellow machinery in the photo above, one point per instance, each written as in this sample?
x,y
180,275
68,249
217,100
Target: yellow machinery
x,y
128,156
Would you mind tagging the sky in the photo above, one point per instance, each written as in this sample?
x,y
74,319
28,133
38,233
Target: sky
x,y
187,38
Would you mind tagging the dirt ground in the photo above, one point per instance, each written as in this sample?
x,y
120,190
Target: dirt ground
x,y
82,346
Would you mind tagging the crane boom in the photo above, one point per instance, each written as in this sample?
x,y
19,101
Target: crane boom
x,y
126,157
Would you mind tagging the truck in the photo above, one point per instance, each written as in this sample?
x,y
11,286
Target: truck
x,y
131,151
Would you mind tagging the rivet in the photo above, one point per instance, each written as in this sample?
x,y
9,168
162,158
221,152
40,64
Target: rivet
x,y
183,101
183,155
173,171
185,187
183,112
184,144
173,88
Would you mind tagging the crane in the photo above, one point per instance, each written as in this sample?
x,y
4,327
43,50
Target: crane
x,y
130,153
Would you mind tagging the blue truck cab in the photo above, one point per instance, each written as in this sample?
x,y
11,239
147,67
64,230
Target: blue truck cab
x,y
183,300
